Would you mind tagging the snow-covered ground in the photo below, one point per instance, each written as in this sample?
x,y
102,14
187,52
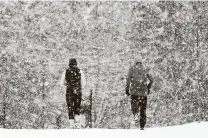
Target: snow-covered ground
x,y
192,130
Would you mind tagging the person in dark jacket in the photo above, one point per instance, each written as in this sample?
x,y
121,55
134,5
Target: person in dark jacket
x,y
74,80
138,88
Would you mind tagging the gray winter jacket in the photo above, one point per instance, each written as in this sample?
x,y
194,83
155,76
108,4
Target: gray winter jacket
x,y
132,83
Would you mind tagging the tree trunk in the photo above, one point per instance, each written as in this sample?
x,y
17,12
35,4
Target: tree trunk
x,y
90,108
5,97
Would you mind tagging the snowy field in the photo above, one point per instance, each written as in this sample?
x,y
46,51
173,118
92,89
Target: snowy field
x,y
192,130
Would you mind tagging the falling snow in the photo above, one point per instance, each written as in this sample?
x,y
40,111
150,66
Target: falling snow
x,y
37,38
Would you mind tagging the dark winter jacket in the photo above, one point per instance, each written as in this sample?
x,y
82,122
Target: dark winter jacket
x,y
73,78
132,83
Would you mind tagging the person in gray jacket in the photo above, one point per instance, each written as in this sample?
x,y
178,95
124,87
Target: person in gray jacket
x,y
138,88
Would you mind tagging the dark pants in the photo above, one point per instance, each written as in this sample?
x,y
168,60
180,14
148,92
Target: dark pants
x,y
73,102
138,104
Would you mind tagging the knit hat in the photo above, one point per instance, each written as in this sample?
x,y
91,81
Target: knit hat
x,y
138,59
72,62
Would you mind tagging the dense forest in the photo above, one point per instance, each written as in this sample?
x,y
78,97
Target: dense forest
x,y
37,39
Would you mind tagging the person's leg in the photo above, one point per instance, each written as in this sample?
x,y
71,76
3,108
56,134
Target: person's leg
x,y
70,103
143,104
77,104
135,108
134,105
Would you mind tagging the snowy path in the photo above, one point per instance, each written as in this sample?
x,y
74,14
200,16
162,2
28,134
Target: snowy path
x,y
192,130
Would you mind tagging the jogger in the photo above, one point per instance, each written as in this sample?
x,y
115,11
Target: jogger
x,y
74,80
138,87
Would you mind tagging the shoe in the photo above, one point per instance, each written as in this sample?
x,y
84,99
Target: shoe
x,y
82,120
141,128
77,119
71,123
77,126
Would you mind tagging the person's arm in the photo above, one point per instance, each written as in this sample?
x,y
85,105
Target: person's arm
x,y
150,83
63,81
83,80
128,80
